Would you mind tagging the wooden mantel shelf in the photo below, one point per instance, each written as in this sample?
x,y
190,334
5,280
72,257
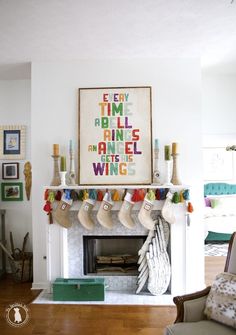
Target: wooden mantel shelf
x,y
100,187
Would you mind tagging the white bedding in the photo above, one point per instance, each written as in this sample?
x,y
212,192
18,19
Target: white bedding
x,y
221,216
220,224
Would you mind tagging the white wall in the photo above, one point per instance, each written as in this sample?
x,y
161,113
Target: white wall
x,y
219,113
219,104
15,110
176,97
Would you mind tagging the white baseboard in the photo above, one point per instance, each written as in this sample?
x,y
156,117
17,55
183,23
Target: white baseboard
x,y
40,286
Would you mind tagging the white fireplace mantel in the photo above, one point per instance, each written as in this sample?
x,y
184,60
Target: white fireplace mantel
x,y
180,254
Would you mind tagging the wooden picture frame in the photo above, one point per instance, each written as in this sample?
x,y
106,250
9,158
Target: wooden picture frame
x,y
115,136
10,170
12,191
12,142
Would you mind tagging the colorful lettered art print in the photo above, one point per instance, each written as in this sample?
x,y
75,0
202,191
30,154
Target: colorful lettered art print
x,y
115,136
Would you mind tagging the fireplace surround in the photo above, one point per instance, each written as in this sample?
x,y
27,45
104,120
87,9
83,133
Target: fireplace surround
x,y
66,251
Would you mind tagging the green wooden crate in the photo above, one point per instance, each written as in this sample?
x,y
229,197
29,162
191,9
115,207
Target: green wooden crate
x,y
80,289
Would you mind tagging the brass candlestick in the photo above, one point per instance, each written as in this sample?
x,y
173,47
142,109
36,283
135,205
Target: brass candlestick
x,y
175,178
56,180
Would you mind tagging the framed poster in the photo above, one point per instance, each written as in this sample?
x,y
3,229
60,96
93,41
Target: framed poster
x,y
115,136
12,191
12,142
217,164
10,170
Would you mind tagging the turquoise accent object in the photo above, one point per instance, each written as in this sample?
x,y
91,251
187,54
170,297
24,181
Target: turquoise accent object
x,y
217,237
186,195
93,194
219,188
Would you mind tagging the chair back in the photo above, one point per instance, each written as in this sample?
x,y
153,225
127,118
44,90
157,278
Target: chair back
x,y
230,265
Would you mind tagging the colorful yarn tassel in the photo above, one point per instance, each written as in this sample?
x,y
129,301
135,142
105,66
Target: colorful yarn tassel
x,y
67,195
142,194
158,194
85,195
138,195
151,195
135,196
181,196
99,195
116,196
58,196
48,208
163,193
190,207
186,195
93,194
175,198
80,195
51,197
46,194
74,195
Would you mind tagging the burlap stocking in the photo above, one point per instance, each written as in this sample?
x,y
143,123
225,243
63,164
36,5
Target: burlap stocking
x,y
104,212
124,214
84,214
144,214
61,214
167,209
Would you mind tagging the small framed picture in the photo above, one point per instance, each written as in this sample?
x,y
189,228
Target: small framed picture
x,y
12,191
12,142
10,170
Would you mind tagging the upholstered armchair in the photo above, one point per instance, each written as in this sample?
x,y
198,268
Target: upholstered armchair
x,y
191,318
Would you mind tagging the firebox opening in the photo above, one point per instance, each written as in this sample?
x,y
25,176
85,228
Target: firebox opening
x,y
111,255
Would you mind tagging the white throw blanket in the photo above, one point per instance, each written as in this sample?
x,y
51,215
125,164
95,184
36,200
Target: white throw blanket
x,y
154,261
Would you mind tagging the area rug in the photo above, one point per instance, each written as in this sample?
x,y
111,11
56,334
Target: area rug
x,y
216,249
112,298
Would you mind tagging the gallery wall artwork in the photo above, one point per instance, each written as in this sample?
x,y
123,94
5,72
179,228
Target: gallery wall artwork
x,y
12,142
12,191
10,170
115,137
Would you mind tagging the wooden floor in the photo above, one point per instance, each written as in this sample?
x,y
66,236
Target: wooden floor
x,y
87,319
81,319
213,266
